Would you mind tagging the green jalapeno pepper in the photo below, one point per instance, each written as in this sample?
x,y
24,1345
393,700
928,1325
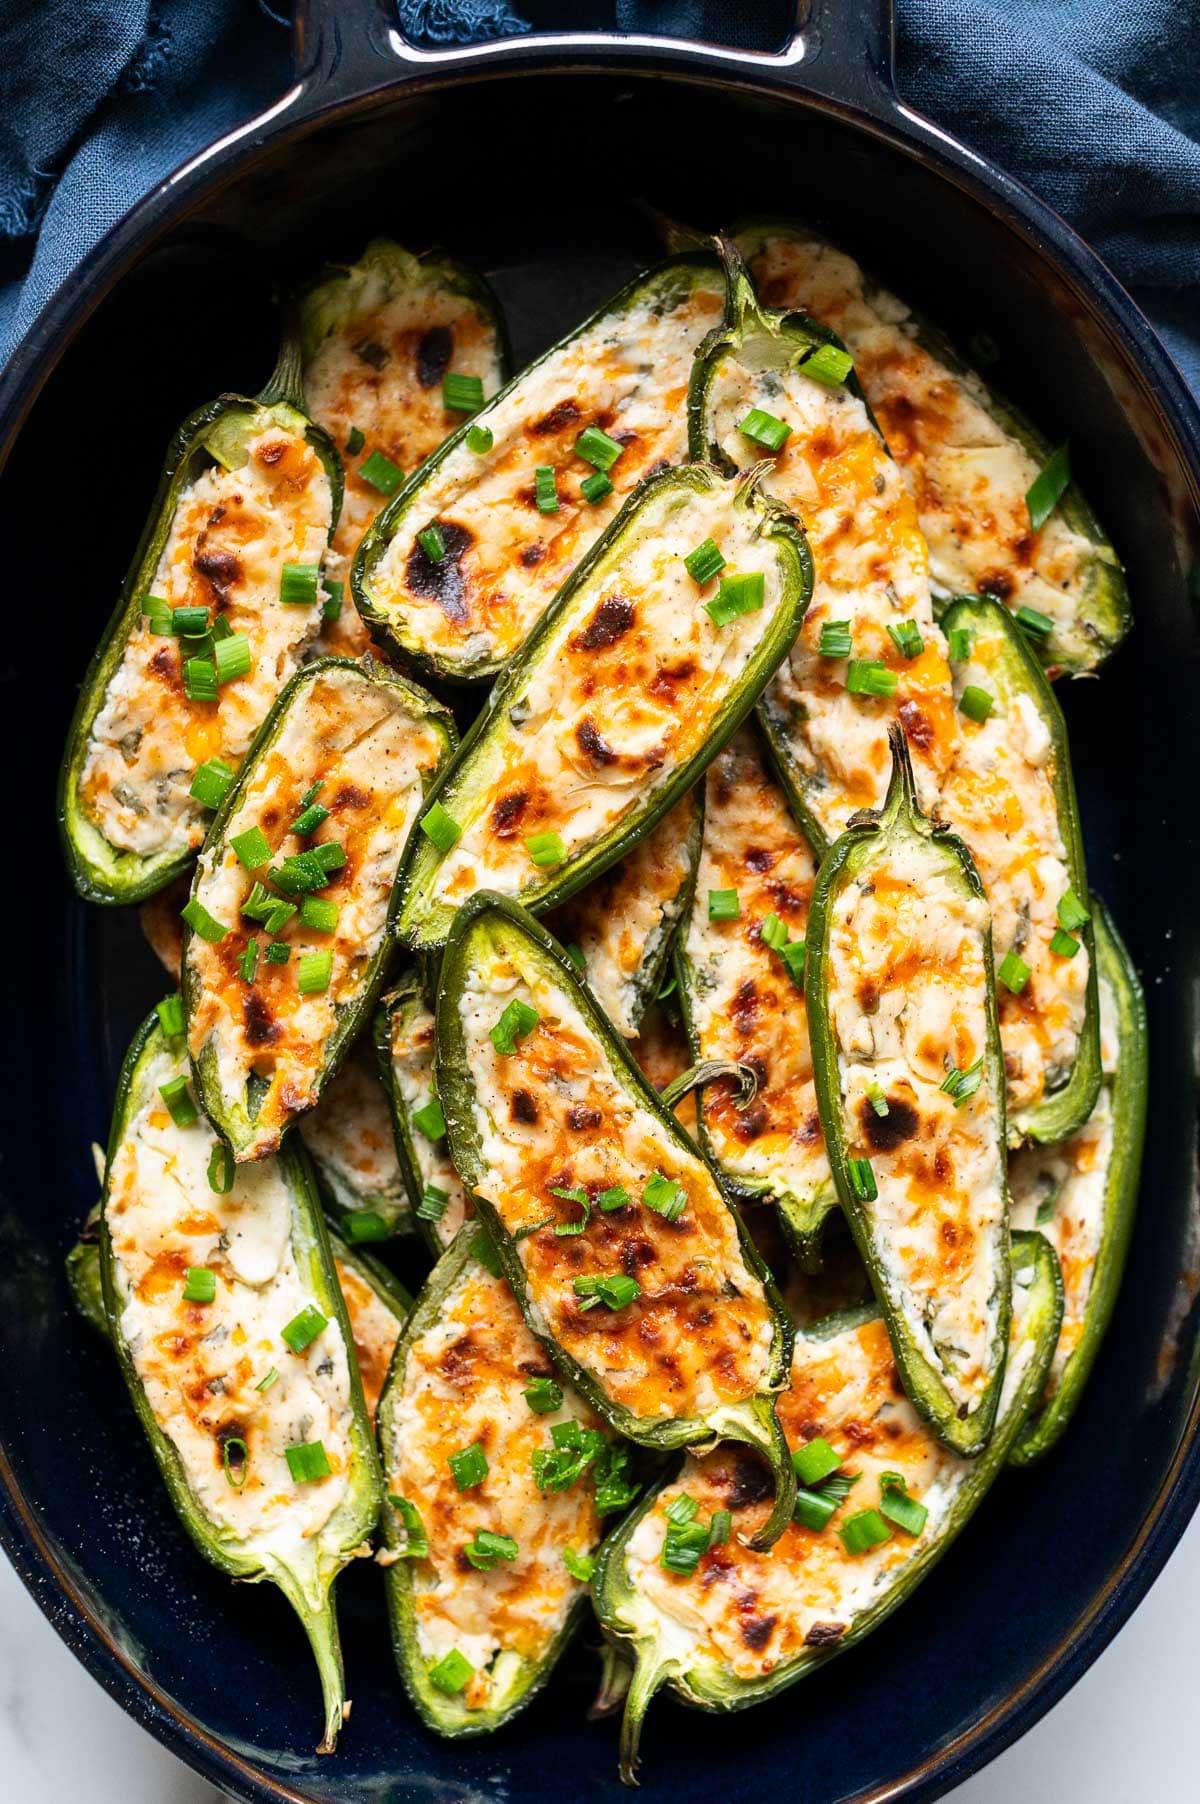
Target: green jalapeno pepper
x,y
405,1032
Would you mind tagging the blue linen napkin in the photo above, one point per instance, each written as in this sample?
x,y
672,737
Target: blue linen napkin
x,y
1093,103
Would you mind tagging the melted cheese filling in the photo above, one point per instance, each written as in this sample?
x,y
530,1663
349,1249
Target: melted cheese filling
x,y
463,1382
1000,797
380,372
624,693
743,1003
750,1613
627,375
619,922
232,533
870,570
200,1364
412,1049
1061,1191
908,989
375,1329
349,1135
368,751
554,1114
968,476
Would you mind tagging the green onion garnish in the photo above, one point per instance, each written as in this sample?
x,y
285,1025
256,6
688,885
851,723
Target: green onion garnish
x,y
581,1566
960,645
220,1169
814,1509
251,848
483,1248
329,857
829,364
210,784
355,441
976,703
469,1466
307,1461
546,849
860,1533
566,1230
720,1528
486,1548
615,1291
962,1085
615,1490
298,584
1063,944
451,1673
304,1328
313,973
170,1016
595,487
430,1121
1037,626
543,1396
765,429
517,1020
360,1225
665,1196
867,676
736,595
321,916
773,933
159,613
596,448
905,635
235,1457
1072,912
480,439
896,1504
705,561
202,923
189,623
438,827
878,1100
1048,487
272,1377
416,1541
278,954
432,543
200,679
200,1285
1014,973
232,657
545,489
335,593
862,1179
836,639
462,394
432,1205
615,1197
682,1509
815,1461
309,819
723,905
381,473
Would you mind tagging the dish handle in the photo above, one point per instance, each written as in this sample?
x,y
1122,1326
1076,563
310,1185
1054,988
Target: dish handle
x,y
841,51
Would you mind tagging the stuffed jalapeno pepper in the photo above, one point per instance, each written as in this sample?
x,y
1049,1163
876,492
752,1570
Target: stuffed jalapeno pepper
x,y
499,1479
635,678
680,1588
998,511
349,1140
287,943
776,385
221,604
1082,1195
405,1032
457,570
1011,796
910,1083
628,1263
230,1328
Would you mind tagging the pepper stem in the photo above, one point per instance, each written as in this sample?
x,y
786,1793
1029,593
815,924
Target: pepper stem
x,y
707,1072
901,797
648,1674
615,1674
756,1424
321,1627
285,381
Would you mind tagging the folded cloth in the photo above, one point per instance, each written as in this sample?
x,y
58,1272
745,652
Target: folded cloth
x,y
1093,103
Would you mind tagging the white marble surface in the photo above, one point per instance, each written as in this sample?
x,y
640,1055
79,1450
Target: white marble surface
x,y
1129,1730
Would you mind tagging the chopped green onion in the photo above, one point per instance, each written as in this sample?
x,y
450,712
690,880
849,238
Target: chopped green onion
x,y
299,873
896,1504
200,1285
251,848
815,1461
723,905
159,613
615,1490
480,439
543,1396
235,1457
451,1673
1014,973
416,1541
364,1224
765,429
960,1086
686,1540
615,1291
221,628
170,1016
307,1461
976,703
720,1528
705,561
220,1169
1071,911
581,1566
438,827
878,1100
860,1533
335,595
836,639
546,849
304,1328
321,916
960,645
265,1383
829,364
309,819
905,635
258,904
210,783
432,543
814,1509
545,489
665,1196
355,441
487,1548
202,923
278,954
1037,626
517,1020
298,584
381,473
596,448
1063,944
329,856
432,1205
483,1248
735,596
773,933
682,1509
468,1467
794,957
568,1229
868,676
189,623
615,1197
232,657
430,1120
575,1449
862,1179
1048,487
595,487
200,679
462,394
314,972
